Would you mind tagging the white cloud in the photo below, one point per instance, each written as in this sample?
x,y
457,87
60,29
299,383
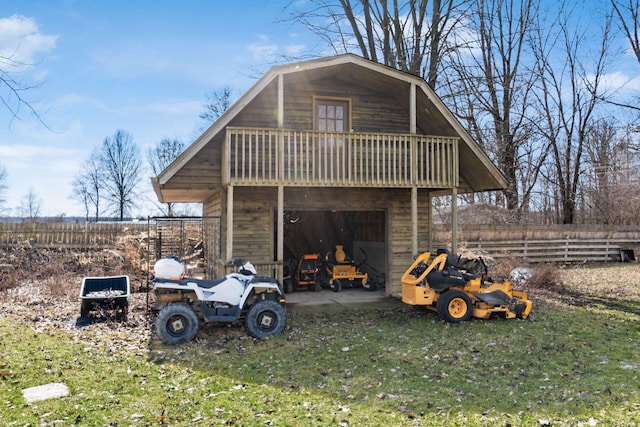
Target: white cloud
x,y
30,151
620,80
263,50
21,43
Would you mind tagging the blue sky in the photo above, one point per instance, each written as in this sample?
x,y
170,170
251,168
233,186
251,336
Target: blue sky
x,y
144,67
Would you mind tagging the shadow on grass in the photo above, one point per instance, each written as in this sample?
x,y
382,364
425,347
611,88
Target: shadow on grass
x,y
407,361
619,303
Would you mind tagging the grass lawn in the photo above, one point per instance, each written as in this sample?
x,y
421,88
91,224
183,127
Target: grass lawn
x,y
574,362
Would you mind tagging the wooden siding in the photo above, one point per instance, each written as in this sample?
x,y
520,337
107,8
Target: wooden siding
x,y
371,111
266,156
253,232
400,232
202,175
259,112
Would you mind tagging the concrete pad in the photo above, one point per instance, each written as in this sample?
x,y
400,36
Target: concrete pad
x,y
46,391
327,300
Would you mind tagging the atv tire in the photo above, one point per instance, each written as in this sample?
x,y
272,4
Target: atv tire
x,y
176,323
265,318
454,306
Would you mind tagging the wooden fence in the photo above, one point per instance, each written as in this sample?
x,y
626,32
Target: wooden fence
x,y
530,243
85,236
536,244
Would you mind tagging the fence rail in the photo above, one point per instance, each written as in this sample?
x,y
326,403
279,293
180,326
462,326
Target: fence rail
x,y
558,244
532,244
84,236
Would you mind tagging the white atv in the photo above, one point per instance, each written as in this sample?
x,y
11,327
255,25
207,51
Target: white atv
x,y
182,302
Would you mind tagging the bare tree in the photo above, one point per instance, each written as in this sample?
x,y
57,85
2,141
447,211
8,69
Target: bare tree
x,y
411,35
80,193
569,94
30,205
89,184
16,61
13,90
490,87
3,185
218,101
161,156
121,163
612,175
627,13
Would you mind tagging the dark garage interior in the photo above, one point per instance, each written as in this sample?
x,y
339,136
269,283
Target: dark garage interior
x,y
361,233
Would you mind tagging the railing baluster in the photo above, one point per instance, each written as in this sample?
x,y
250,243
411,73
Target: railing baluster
x,y
256,156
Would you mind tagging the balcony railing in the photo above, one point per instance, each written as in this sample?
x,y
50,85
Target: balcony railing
x,y
267,156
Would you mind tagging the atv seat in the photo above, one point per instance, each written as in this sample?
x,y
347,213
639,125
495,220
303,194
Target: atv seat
x,y
208,283
259,279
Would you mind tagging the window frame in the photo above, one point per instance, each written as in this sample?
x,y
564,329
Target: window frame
x,y
331,100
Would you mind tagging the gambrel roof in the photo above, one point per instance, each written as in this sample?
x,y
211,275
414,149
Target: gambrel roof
x,y
476,171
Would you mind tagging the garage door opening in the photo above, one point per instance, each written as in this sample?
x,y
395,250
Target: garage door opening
x,y
312,236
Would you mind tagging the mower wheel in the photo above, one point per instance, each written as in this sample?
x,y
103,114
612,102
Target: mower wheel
x,y
519,310
336,286
454,306
176,323
370,286
265,318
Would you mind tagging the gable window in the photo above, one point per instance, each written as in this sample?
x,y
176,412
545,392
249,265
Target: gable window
x,y
331,116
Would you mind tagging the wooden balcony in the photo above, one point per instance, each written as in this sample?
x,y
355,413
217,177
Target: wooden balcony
x,y
267,156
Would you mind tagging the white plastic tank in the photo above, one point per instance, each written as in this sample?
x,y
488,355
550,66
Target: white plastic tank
x,y
168,268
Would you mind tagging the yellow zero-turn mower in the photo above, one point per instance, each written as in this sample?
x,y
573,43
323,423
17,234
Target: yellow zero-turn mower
x,y
456,293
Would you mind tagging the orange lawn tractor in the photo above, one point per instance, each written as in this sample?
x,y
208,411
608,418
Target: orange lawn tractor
x,y
309,272
456,293
343,272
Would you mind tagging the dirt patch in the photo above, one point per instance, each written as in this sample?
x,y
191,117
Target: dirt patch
x,y
41,287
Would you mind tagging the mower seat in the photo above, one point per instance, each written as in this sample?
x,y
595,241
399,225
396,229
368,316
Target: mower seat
x,y
453,267
442,280
451,262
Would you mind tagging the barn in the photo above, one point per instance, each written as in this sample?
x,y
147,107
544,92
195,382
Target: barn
x,y
332,151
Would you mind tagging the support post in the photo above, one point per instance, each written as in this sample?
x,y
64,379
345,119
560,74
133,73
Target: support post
x,y
412,109
430,221
414,189
454,220
280,243
414,221
229,251
280,101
